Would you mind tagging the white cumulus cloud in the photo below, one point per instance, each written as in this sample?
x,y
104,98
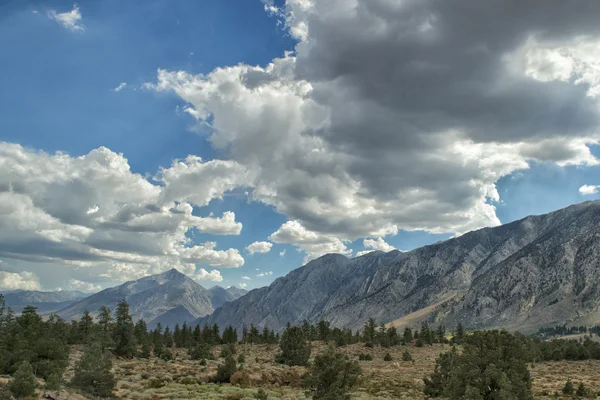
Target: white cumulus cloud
x,y
265,274
84,286
70,19
23,280
212,276
587,190
375,244
259,247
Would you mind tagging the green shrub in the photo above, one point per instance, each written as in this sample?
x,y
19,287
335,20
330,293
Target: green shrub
x,y
365,357
387,357
92,372
569,388
202,350
241,358
261,394
226,370
331,376
23,383
53,382
406,356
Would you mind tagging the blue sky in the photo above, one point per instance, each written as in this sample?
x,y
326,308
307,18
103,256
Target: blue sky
x,y
58,95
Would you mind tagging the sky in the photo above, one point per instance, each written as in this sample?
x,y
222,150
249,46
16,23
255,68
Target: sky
x,y
236,140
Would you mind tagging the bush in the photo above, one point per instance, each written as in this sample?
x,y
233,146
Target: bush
x,y
23,383
53,382
261,394
365,357
331,376
241,359
295,350
202,350
583,391
569,388
406,356
226,370
225,351
92,372
166,355
202,362
387,357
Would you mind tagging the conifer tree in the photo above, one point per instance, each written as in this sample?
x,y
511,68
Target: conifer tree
x,y
85,327
295,350
123,332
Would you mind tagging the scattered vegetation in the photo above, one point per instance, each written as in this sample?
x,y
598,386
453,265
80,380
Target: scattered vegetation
x,y
331,376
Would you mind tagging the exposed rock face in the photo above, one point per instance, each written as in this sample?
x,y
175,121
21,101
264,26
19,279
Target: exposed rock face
x,y
220,296
537,271
169,298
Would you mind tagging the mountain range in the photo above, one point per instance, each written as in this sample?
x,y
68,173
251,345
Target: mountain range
x,y
541,270
168,298
46,302
538,271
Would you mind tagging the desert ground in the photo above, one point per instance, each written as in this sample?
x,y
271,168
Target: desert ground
x,y
183,378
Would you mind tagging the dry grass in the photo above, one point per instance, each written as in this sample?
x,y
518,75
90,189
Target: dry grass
x,y
183,378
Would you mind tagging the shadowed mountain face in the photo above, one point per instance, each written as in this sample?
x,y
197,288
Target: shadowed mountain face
x,y
46,302
169,298
537,271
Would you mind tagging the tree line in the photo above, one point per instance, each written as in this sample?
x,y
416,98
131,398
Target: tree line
x,y
31,347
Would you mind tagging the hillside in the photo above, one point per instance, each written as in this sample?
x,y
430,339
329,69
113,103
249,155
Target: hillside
x,y
536,271
169,298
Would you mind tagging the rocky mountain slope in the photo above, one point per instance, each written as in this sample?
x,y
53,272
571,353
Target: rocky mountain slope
x,y
169,298
46,302
537,271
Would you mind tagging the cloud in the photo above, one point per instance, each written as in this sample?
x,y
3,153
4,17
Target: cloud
x,y
312,243
120,87
212,276
282,253
84,286
70,19
375,244
23,280
265,274
587,190
243,285
259,247
246,278
393,115
91,211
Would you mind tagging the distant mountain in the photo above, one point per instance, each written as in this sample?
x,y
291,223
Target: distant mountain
x,y
538,271
168,298
220,296
46,302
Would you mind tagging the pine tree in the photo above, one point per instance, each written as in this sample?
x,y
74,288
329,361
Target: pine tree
x,y
86,326
123,332
23,383
92,372
295,350
369,331
407,337
331,377
140,331
460,334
